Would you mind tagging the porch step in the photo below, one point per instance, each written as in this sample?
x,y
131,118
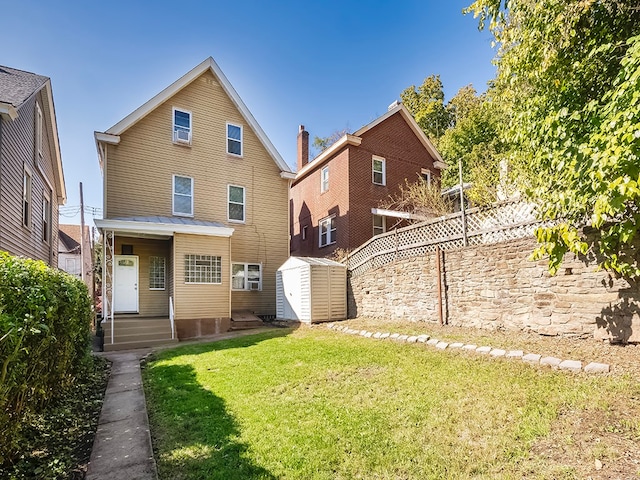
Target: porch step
x,y
244,319
130,333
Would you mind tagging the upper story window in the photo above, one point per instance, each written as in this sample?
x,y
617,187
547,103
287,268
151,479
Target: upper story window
x,y
182,196
304,232
426,176
39,150
181,126
379,225
327,228
236,203
26,199
324,179
234,139
246,276
378,169
46,219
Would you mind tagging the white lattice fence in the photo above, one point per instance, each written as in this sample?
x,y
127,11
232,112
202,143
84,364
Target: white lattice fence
x,y
498,223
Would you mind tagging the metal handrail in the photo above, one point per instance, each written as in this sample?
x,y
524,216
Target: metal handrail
x,y
171,315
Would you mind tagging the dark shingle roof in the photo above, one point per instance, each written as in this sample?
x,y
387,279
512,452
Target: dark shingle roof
x,y
16,86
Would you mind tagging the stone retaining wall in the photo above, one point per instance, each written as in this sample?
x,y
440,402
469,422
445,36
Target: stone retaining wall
x,y
498,287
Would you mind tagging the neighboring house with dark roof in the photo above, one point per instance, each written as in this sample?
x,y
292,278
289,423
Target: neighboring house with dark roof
x,y
334,198
195,205
71,257
31,177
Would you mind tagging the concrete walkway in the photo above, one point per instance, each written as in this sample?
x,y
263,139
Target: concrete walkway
x,y
122,445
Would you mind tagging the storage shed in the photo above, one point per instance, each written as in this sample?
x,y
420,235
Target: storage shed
x,y
311,290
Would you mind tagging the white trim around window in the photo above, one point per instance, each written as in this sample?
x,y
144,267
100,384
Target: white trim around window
x,y
182,196
236,203
39,132
246,276
378,170
46,218
182,131
235,145
324,179
27,197
327,231
379,224
426,175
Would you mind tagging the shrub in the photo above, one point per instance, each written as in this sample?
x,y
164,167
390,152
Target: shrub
x,y
45,318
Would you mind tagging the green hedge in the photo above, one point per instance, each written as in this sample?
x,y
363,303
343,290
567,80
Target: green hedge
x,y
45,318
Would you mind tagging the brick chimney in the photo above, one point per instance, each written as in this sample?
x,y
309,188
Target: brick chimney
x,y
303,147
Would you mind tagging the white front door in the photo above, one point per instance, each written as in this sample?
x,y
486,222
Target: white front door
x,y
125,289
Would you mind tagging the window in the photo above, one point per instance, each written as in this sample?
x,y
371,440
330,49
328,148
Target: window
x,y
157,268
426,176
327,227
246,276
324,179
182,195
304,232
236,203
234,139
70,266
202,269
378,169
379,225
46,219
26,199
38,131
181,126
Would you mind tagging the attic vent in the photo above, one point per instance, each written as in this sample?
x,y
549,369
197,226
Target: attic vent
x,y
393,105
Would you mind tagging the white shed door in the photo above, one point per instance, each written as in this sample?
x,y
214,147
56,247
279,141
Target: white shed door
x,y
291,290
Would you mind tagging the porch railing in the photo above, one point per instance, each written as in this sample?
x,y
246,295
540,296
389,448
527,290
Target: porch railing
x,y
171,320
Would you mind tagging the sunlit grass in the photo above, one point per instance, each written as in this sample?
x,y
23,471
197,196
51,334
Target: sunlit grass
x,y
313,404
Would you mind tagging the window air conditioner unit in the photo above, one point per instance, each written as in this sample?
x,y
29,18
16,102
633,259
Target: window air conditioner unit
x,y
182,136
254,285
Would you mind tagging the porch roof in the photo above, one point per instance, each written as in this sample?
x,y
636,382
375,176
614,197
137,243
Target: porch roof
x,y
163,226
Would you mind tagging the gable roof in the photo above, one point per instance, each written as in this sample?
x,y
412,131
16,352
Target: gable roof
x,y
356,138
70,244
16,88
112,134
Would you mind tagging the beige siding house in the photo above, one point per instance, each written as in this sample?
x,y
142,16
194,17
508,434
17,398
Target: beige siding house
x,y
31,177
196,213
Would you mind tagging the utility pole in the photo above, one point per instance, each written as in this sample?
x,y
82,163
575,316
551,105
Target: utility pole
x,y
82,239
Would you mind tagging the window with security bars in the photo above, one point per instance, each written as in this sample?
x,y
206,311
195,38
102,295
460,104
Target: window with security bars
x,y
236,203
202,269
157,269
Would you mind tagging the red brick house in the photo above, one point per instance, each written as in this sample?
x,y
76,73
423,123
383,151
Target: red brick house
x,y
332,197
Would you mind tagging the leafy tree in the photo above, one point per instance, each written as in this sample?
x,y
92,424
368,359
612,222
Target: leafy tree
x,y
426,104
474,139
320,144
569,75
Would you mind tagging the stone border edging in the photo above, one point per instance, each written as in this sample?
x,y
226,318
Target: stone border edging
x,y
530,358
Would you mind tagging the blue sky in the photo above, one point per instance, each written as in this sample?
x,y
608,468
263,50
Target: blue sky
x,y
328,65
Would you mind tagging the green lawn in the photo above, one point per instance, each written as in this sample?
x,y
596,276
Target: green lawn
x,y
314,404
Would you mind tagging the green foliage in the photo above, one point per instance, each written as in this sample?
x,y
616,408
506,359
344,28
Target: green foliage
x,y
45,317
568,74
338,406
320,144
56,442
426,104
475,140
